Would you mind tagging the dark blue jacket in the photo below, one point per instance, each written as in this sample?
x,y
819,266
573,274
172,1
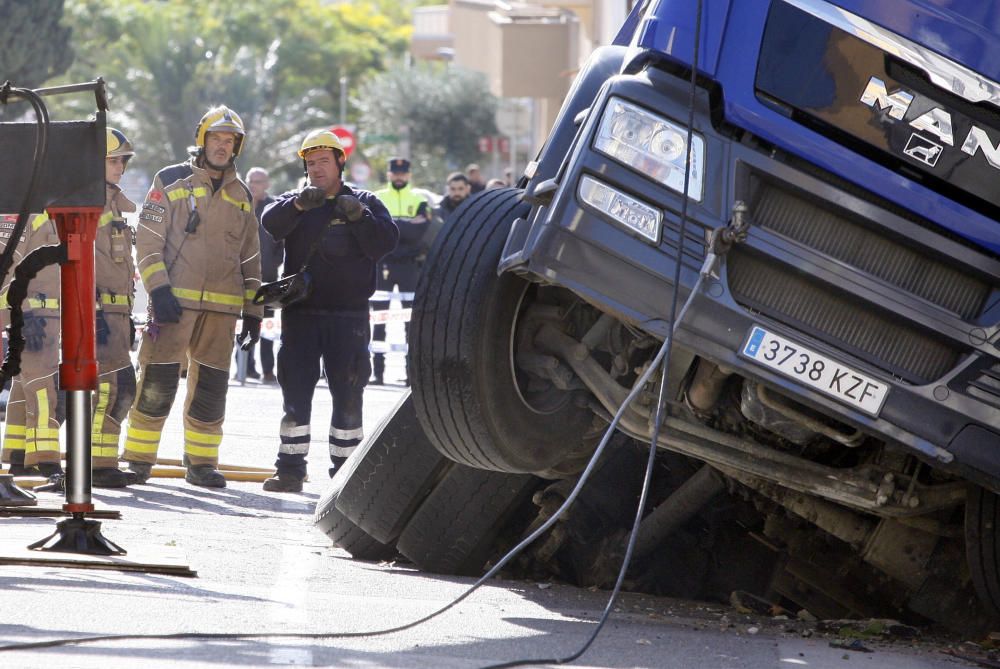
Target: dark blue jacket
x,y
343,266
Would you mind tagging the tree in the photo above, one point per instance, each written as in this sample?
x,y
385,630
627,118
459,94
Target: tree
x,y
278,63
439,110
34,45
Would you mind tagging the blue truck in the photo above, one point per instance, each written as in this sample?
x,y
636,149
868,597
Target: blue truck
x,y
835,363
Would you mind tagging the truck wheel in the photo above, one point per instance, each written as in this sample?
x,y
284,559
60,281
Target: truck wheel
x,y
477,407
982,544
344,533
456,529
394,470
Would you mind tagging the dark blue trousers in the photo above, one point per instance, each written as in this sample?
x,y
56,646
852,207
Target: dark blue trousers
x,y
340,342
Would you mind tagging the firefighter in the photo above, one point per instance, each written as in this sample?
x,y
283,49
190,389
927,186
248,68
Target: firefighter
x,y
114,268
336,234
34,409
412,211
199,261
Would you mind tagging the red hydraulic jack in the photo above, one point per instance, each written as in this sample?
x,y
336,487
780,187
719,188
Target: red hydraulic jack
x,y
78,377
68,183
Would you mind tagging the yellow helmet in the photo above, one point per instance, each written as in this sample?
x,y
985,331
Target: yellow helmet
x,y
320,139
220,119
118,145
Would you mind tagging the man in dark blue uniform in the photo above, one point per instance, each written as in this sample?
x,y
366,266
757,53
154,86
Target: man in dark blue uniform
x,y
335,235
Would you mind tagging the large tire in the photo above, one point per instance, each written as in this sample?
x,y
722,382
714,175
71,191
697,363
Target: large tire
x,y
344,533
982,545
461,349
394,470
456,529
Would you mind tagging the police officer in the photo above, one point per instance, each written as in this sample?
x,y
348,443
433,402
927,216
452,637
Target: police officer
x,y
199,259
335,234
114,270
411,209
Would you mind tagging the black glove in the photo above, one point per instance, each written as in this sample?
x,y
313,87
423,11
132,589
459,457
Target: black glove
x,y
350,207
33,332
102,330
310,197
166,308
250,333
131,332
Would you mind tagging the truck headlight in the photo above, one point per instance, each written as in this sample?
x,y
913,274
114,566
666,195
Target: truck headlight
x,y
623,208
651,145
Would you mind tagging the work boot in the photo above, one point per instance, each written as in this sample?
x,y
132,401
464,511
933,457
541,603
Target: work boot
x,y
17,467
283,482
111,477
269,379
206,476
50,469
337,462
138,472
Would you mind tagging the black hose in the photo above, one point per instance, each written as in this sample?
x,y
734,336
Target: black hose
x,y
660,361
25,271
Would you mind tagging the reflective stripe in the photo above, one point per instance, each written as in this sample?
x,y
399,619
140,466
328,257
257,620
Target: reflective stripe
x,y
105,451
294,449
105,218
208,296
244,206
249,294
112,298
294,430
203,451
356,433
43,407
148,272
145,435
223,298
140,446
186,294
14,438
202,438
32,302
341,451
178,193
103,394
39,221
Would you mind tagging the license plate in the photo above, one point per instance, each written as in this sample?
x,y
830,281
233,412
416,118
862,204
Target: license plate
x,y
817,371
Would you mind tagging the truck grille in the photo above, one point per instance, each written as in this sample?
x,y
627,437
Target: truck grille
x,y
869,334
986,387
875,255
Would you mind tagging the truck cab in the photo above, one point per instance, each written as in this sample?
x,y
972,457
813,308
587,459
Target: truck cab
x,y
843,353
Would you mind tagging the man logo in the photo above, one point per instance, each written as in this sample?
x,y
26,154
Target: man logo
x,y
923,150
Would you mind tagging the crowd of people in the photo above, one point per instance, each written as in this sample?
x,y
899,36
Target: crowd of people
x,y
208,248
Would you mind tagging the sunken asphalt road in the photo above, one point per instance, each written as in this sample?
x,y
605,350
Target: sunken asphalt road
x,y
263,568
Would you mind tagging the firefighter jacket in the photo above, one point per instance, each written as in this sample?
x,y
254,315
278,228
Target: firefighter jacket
x,y
200,241
342,268
114,266
43,291
404,204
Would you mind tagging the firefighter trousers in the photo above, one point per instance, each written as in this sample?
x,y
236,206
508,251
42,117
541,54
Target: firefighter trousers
x,y
34,409
115,390
340,340
205,340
